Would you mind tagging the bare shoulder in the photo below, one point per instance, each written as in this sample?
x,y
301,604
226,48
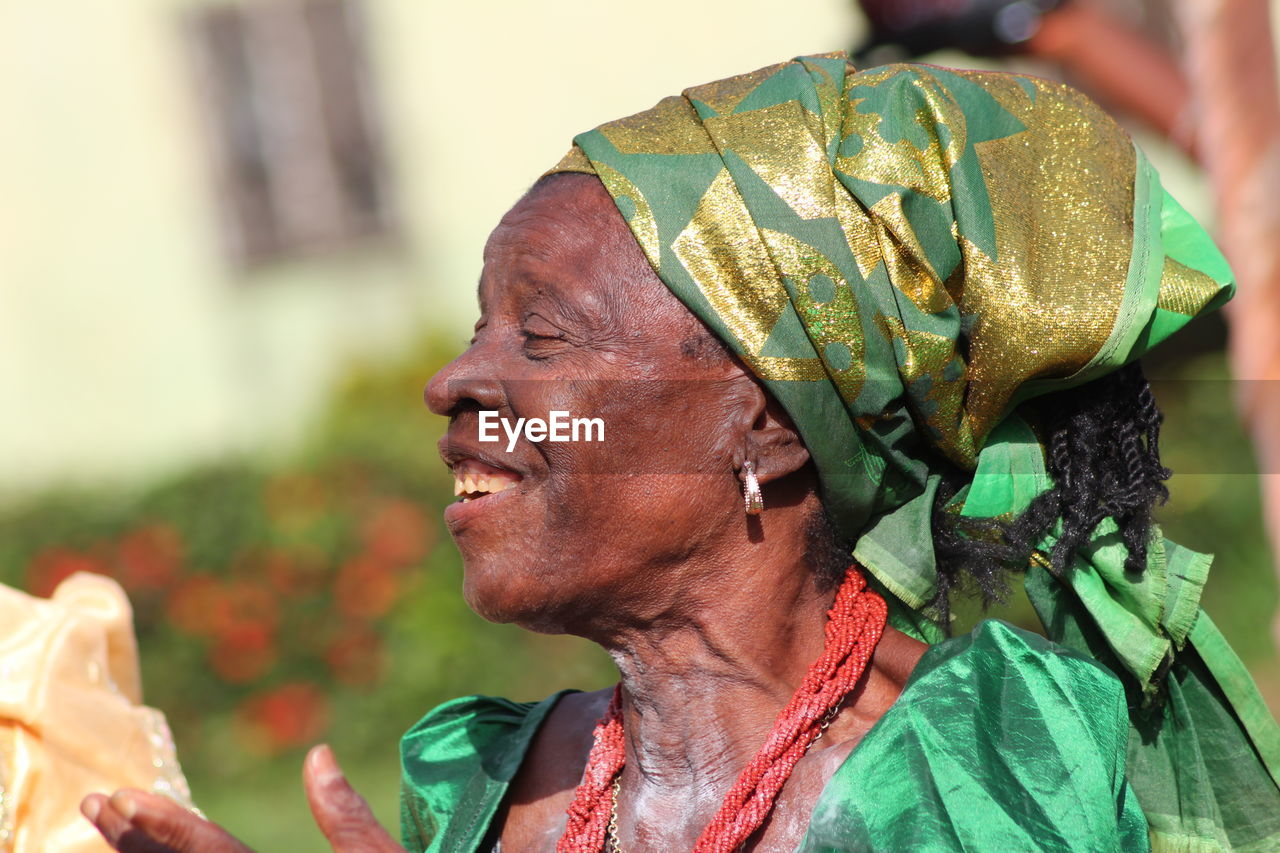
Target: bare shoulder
x,y
892,663
895,658
533,814
559,751
897,654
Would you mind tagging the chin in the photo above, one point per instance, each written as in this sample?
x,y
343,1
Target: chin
x,y
499,592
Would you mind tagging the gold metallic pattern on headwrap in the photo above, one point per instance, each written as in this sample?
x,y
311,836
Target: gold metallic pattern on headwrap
x,y
723,96
1012,93
641,220
782,369
904,257
723,253
861,231
1047,301
826,304
899,163
926,358
1184,290
573,161
830,91
798,261
875,76
779,146
672,127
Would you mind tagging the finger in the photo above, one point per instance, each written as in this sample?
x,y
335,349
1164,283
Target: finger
x,y
173,826
343,815
116,827
98,809
135,821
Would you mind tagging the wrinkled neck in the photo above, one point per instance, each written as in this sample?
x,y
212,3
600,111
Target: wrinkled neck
x,y
702,691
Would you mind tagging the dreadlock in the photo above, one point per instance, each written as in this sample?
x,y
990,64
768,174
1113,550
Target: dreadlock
x,y
1102,450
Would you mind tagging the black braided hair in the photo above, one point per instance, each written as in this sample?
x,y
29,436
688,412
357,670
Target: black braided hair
x,y
1102,448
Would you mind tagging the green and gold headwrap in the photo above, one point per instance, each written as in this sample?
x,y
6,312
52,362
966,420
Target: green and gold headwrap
x,y
905,254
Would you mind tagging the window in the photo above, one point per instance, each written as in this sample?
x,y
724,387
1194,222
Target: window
x,y
297,156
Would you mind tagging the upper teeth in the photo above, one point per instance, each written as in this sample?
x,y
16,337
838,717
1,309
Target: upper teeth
x,y
471,477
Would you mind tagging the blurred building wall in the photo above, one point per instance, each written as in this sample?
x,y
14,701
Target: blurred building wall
x,y
131,344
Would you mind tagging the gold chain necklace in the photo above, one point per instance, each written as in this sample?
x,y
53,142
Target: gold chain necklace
x,y
612,832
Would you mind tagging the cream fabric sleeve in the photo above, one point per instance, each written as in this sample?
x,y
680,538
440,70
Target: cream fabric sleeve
x,y
71,715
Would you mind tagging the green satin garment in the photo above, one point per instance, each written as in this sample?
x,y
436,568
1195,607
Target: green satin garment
x,y
1000,741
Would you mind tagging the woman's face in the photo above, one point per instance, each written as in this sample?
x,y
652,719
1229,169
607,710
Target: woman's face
x,y
574,320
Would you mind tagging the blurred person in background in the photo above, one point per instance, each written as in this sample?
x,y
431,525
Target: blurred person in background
x,y
890,315
1121,66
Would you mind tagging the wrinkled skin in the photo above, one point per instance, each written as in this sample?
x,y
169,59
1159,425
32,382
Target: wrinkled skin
x,y
638,543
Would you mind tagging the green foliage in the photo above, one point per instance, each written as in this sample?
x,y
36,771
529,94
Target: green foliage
x,y
1214,506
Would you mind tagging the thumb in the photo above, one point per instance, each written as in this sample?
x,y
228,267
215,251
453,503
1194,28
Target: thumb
x,y
343,815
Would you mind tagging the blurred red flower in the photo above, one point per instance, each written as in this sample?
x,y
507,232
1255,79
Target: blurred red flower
x,y
397,531
294,572
240,616
150,557
51,567
190,607
365,588
291,715
355,656
244,603
243,654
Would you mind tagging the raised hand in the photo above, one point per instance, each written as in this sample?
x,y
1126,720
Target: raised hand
x,y
139,822
136,821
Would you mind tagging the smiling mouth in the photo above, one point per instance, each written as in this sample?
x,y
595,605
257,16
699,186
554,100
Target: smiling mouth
x,y
473,479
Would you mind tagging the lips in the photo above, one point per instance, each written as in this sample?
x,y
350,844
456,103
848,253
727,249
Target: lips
x,y
483,481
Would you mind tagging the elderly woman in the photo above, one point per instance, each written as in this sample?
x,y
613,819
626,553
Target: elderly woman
x,y
859,342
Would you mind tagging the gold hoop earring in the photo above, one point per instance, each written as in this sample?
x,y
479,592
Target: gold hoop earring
x,y
752,499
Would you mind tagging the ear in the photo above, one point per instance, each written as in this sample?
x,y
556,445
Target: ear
x,y
771,440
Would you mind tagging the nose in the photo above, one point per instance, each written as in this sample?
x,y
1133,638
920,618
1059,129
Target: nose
x,y
467,382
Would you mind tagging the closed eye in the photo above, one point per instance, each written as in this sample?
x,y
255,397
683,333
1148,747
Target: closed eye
x,y
480,324
539,346
541,337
